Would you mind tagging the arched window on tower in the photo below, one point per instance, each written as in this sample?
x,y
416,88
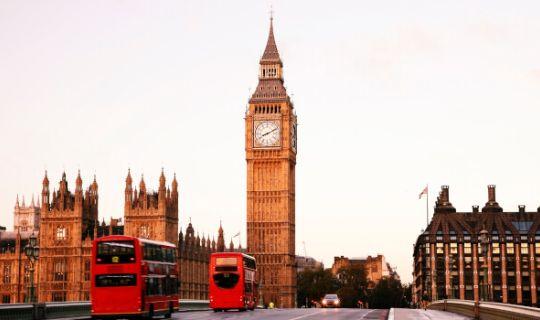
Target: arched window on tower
x,y
144,231
61,233
60,270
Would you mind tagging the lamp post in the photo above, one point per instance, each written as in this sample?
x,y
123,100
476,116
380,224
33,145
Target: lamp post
x,y
31,250
484,241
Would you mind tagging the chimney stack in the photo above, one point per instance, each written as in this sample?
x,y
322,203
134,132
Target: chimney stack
x,y
491,193
491,205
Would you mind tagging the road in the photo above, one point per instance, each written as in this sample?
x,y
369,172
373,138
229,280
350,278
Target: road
x,y
288,314
320,314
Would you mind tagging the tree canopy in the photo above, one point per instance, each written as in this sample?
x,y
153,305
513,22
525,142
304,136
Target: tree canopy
x,y
351,285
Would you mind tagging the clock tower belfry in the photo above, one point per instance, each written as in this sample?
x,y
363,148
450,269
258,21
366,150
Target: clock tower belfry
x,y
271,160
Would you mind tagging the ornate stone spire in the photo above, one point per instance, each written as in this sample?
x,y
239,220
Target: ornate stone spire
x,y
17,201
162,180
45,180
271,53
45,192
94,185
270,87
221,239
129,181
78,182
174,184
142,185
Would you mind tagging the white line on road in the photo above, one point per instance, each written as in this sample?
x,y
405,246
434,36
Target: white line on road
x,y
306,315
364,316
391,314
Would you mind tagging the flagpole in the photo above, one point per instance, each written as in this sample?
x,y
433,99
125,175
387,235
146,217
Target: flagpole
x,y
427,207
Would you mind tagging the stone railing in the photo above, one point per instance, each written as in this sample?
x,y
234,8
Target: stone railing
x,y
487,310
76,309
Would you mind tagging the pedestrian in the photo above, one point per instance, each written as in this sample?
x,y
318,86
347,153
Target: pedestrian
x,y
424,300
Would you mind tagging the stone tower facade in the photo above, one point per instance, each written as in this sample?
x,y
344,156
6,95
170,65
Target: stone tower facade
x,y
65,238
152,215
26,217
271,160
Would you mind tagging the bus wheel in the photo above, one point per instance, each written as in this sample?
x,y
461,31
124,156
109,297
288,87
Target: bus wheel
x,y
217,310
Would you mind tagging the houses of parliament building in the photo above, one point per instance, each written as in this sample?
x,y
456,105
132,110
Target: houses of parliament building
x,y
66,222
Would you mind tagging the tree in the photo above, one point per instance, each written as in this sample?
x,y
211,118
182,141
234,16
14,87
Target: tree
x,y
388,293
353,282
313,284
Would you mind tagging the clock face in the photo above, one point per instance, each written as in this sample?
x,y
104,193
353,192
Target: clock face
x,y
293,137
267,134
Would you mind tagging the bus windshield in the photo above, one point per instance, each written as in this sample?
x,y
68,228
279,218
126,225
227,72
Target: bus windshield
x,y
226,280
115,252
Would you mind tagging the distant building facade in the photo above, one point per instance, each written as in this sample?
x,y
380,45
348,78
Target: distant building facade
x,y
449,260
376,267
66,224
307,263
26,218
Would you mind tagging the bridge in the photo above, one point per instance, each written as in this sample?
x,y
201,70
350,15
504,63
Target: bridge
x,y
198,310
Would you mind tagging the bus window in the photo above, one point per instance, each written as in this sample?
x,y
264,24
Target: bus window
x,y
226,280
249,263
115,252
116,280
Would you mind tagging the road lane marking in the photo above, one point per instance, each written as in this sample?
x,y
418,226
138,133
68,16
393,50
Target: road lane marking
x,y
305,315
364,316
391,314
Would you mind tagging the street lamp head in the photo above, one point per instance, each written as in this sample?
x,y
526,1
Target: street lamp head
x,y
33,240
28,251
35,254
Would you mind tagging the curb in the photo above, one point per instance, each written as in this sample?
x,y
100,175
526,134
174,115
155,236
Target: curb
x,y
194,310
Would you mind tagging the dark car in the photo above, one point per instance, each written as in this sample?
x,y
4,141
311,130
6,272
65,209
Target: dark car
x,y
330,301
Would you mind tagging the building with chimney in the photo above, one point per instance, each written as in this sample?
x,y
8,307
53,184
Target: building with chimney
x,y
482,254
270,124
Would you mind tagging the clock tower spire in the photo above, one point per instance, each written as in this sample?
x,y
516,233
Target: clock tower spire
x,y
271,160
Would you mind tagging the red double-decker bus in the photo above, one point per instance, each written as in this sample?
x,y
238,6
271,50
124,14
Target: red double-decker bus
x,y
232,281
133,278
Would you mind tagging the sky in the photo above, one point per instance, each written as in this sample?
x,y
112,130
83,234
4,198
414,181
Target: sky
x,y
391,96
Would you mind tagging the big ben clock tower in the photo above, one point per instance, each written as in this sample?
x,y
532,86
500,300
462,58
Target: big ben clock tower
x,y
271,161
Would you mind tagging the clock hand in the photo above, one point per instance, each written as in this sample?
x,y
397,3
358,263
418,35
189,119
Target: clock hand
x,y
269,132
